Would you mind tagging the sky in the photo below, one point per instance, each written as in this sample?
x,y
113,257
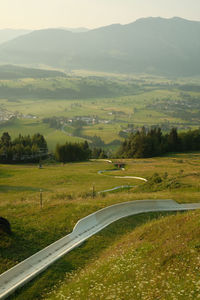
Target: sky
x,y
36,14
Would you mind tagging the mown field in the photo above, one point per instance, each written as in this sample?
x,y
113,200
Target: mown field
x,y
67,197
117,101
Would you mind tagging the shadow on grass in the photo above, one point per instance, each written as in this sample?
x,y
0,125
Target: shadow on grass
x,y
22,246
8,188
4,174
80,257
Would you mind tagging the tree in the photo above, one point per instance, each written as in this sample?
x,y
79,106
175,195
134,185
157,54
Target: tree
x,y
39,140
173,140
5,140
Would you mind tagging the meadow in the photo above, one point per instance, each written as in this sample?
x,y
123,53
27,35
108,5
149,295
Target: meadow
x,y
67,197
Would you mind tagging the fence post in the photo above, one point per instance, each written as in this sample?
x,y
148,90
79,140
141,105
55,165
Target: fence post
x,y
41,202
93,191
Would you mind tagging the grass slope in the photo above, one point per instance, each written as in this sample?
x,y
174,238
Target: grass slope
x,y
158,260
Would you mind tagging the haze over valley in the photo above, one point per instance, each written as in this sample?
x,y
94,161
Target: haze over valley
x,y
150,45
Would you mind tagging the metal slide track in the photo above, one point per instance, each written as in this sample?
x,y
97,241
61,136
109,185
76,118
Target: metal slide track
x,y
85,228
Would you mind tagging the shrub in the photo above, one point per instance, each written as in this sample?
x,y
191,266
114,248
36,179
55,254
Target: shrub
x,y
5,226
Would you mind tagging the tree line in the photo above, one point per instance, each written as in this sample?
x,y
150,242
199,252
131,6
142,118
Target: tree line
x,y
149,143
34,148
144,143
72,152
23,148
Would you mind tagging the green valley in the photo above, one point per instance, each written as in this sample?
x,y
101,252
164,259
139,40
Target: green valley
x,y
107,106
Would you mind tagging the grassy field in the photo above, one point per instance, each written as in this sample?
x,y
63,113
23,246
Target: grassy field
x,y
67,197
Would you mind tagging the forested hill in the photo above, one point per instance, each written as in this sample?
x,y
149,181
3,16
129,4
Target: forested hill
x,y
153,45
16,72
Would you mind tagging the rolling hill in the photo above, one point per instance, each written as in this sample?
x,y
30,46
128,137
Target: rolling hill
x,y
9,34
150,45
79,29
15,72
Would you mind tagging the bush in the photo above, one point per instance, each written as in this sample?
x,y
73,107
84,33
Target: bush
x,y
5,226
158,183
155,178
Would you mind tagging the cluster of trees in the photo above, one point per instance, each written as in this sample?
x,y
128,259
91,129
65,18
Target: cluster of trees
x,y
98,153
149,143
22,148
54,122
71,152
33,149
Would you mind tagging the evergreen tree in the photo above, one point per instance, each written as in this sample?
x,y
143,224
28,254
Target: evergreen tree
x,y
22,148
5,140
72,152
153,142
173,141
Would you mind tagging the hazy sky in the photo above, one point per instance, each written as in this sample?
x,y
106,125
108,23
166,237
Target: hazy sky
x,y
35,14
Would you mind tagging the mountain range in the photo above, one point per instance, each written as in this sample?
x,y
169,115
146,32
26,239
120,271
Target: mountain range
x,y
150,45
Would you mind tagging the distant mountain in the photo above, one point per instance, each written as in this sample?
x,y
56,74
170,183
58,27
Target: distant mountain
x,y
79,29
16,72
149,45
9,34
